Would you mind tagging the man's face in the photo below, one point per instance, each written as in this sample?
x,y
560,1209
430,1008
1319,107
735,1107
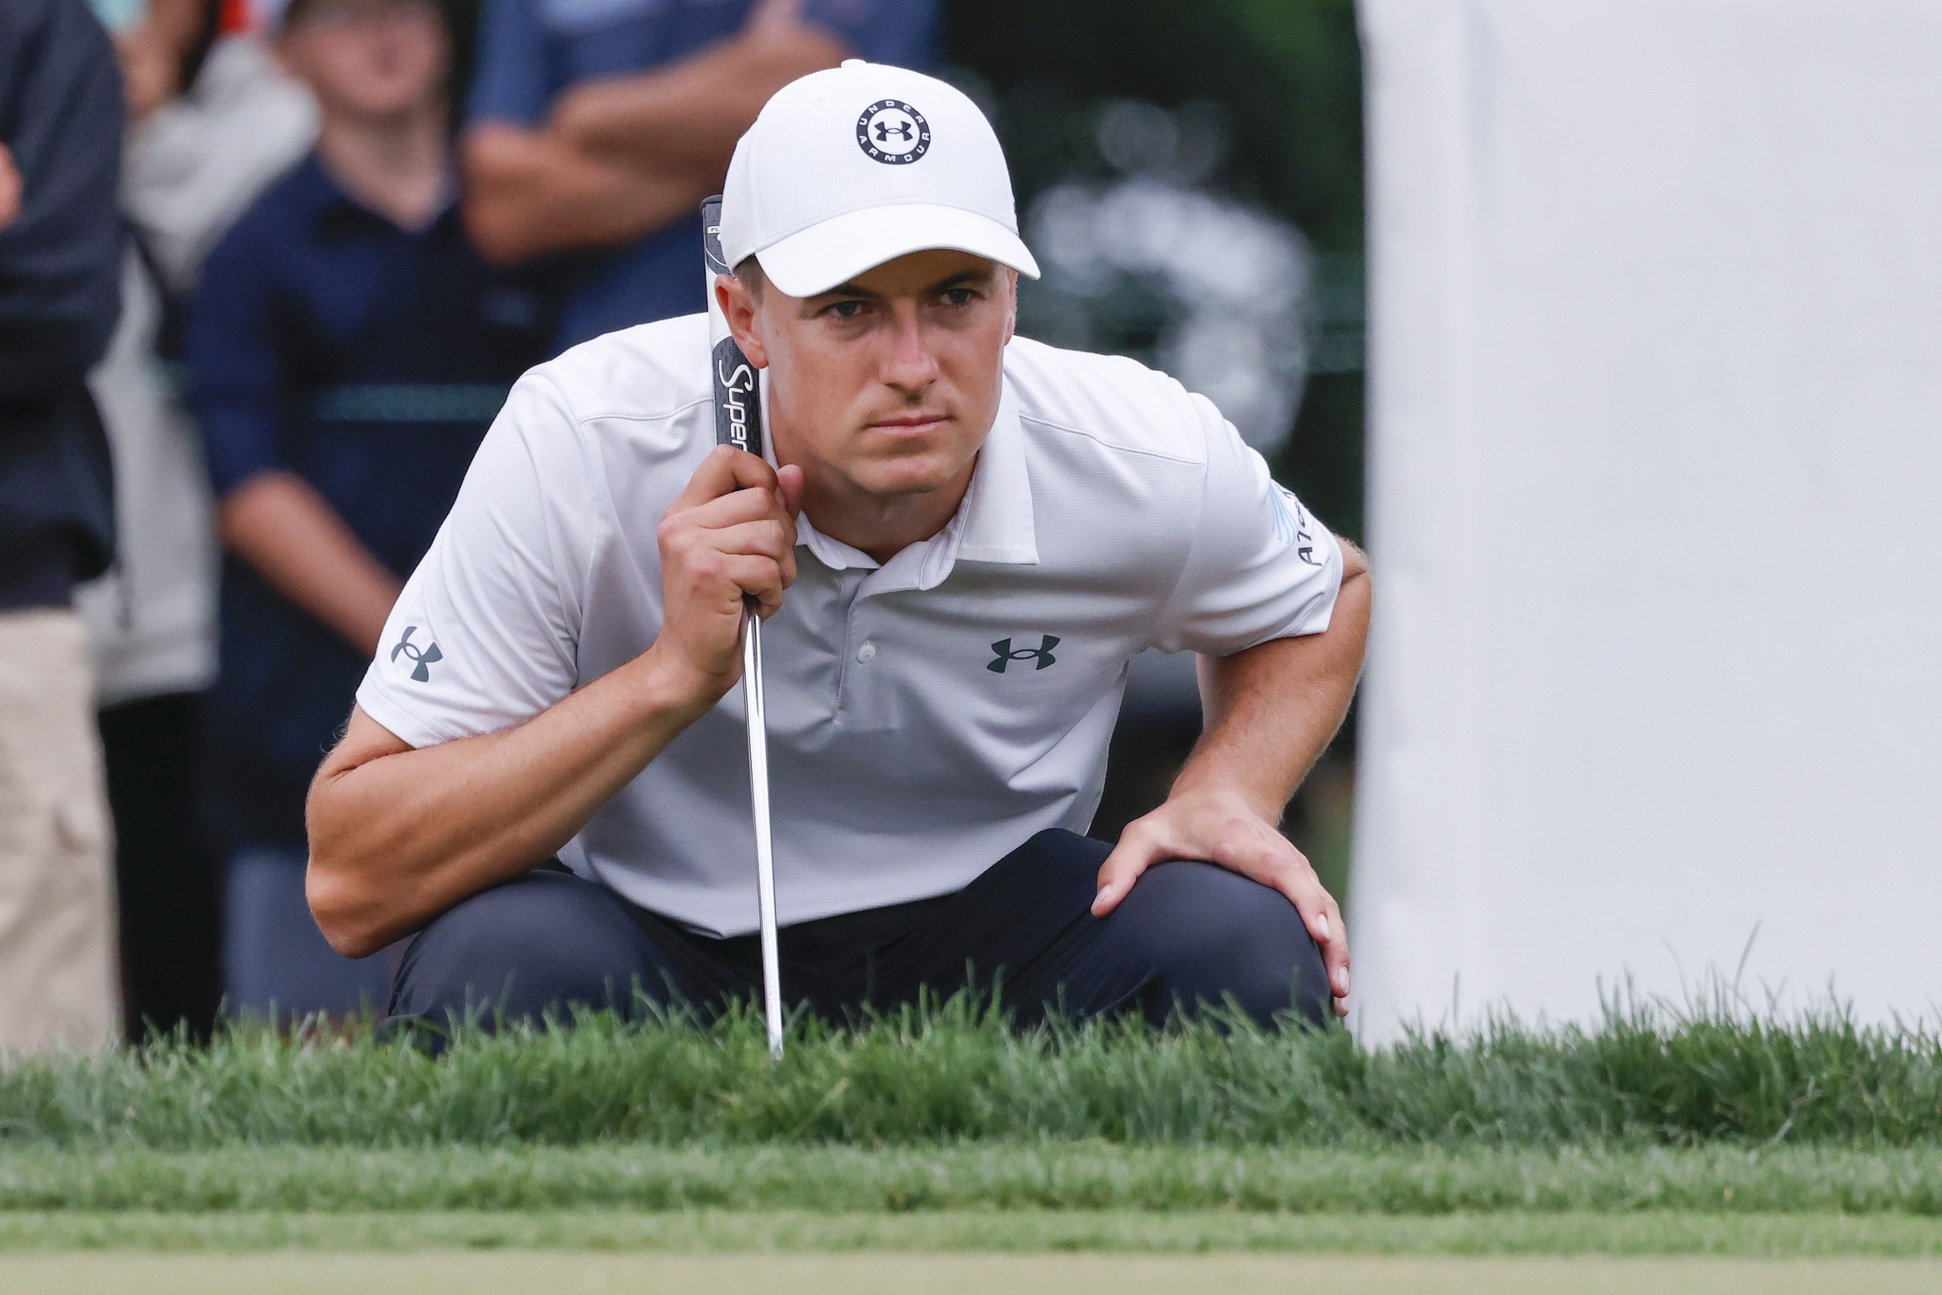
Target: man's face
x,y
369,59
890,381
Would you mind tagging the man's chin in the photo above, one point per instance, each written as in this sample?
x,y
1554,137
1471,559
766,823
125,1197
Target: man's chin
x,y
901,477
901,485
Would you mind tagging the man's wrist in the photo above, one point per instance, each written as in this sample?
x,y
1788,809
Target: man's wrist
x,y
667,683
1215,787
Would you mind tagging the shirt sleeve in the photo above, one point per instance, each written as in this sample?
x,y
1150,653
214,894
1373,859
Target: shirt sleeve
x,y
1260,566
510,81
901,32
486,632
235,372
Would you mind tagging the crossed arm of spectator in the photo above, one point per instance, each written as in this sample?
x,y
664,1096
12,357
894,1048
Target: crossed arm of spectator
x,y
625,156
9,187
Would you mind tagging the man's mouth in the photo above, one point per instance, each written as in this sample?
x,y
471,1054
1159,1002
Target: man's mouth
x,y
906,424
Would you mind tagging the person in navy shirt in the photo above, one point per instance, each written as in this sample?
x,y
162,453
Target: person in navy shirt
x,y
596,127
347,349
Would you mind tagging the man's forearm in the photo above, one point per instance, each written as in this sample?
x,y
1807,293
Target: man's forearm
x,y
626,156
685,118
398,835
532,192
1272,710
9,188
295,540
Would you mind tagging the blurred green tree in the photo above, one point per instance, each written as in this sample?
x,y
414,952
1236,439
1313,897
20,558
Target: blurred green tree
x,y
1287,75
1288,72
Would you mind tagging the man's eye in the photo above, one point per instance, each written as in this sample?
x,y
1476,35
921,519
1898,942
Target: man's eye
x,y
959,296
846,309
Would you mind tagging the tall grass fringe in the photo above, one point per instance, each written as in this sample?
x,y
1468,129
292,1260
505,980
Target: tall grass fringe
x,y
1650,1074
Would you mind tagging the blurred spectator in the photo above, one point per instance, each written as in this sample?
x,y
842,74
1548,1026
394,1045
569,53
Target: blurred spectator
x,y
602,124
228,122
60,266
212,121
347,350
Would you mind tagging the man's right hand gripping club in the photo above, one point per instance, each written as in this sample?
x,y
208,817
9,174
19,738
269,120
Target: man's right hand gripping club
x,y
730,534
400,834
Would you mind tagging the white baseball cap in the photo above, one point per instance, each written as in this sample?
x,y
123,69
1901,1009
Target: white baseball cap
x,y
851,167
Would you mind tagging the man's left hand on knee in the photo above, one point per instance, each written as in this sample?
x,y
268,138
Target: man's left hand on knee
x,y
1221,828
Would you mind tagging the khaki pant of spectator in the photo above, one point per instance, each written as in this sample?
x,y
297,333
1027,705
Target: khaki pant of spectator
x,y
58,981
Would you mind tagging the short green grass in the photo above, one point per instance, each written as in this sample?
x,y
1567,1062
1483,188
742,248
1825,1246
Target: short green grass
x,y
989,1176
448,1272
1194,1232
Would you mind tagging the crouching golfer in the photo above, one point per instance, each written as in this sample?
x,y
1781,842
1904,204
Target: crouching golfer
x,y
962,540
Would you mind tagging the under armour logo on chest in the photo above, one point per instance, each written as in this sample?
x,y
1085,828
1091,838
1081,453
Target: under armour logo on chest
x,y
422,656
1042,654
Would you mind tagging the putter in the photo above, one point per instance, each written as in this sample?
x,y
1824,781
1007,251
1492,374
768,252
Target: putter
x,y
738,422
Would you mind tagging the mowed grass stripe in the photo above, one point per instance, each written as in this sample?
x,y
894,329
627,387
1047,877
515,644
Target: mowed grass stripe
x,y
1768,1236
979,1176
1648,1075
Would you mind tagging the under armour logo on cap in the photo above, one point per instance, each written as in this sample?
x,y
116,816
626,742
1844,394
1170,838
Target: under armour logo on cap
x,y
892,132
423,656
1006,655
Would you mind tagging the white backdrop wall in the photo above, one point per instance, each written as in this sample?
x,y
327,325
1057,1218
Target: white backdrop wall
x,y
1656,455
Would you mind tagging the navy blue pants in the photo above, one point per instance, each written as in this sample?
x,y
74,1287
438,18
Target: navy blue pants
x,y
1188,934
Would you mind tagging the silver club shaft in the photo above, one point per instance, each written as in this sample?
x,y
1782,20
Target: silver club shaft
x,y
758,776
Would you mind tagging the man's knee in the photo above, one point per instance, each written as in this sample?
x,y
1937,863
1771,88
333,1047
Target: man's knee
x,y
1211,935
541,944
1056,869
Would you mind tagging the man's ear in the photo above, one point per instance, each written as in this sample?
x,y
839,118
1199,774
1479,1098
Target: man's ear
x,y
738,305
1011,307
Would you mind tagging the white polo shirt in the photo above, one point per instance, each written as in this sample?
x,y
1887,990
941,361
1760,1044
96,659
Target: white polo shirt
x,y
926,716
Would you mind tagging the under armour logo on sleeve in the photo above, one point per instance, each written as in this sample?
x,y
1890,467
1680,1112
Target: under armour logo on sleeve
x,y
422,656
1042,654
1291,523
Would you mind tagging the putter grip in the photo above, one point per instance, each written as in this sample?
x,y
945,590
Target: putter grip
x,y
738,407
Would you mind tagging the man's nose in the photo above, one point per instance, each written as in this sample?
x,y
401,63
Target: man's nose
x,y
910,366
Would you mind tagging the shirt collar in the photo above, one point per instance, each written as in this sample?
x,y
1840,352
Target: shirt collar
x,y
994,523
999,521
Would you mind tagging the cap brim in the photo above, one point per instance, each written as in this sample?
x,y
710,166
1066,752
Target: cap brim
x,y
826,255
